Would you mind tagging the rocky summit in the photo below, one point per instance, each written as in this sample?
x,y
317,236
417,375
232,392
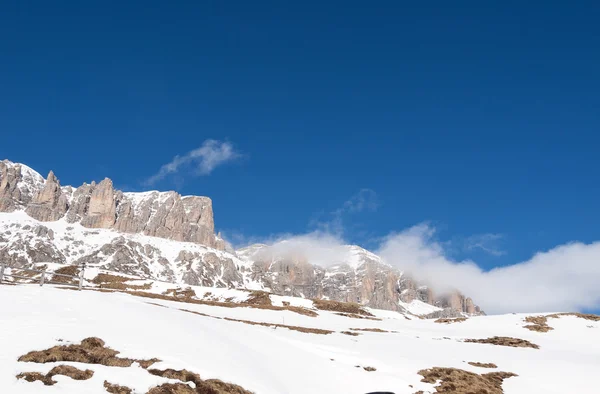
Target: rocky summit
x,y
168,237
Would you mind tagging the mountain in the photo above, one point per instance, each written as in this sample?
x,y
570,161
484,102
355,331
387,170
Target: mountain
x,y
168,237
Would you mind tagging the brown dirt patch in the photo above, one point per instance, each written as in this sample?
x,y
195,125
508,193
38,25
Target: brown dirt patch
x,y
354,334
369,329
483,365
172,388
116,389
450,320
189,300
306,330
109,278
90,351
181,293
72,270
538,324
586,316
116,282
505,341
343,307
64,370
211,386
457,381
259,298
355,316
36,376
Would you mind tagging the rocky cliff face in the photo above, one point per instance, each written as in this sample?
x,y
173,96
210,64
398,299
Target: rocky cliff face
x,y
167,237
363,278
160,214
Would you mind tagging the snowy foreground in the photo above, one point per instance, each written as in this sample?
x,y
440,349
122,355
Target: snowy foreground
x,y
269,360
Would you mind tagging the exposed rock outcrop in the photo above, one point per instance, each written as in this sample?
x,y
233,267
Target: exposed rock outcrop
x,y
49,204
364,279
18,184
160,214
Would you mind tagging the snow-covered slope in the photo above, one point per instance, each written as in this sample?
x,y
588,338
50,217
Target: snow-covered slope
x,y
25,241
276,360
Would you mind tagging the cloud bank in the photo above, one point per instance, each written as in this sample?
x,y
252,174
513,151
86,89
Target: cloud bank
x,y
564,278
204,159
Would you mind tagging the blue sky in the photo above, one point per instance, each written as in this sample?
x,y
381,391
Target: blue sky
x,y
478,118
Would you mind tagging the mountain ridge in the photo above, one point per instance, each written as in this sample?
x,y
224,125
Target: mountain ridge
x,y
169,237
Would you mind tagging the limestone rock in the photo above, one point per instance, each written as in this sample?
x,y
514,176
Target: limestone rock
x,y
18,184
101,211
160,214
49,204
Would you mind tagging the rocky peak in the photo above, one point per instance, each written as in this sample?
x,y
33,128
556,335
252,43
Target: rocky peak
x,y
18,185
49,203
99,205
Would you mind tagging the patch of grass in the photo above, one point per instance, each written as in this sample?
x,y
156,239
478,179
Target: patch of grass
x,y
355,316
189,300
90,351
109,278
343,307
505,341
483,365
354,334
72,270
187,293
306,330
65,370
450,320
586,316
116,282
369,329
259,298
210,386
116,389
540,323
455,381
172,388
36,376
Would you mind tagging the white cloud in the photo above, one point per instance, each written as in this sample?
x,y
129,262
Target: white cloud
x,y
364,200
485,242
319,248
564,278
205,159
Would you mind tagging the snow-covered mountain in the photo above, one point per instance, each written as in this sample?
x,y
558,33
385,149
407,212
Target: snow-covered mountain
x,y
167,237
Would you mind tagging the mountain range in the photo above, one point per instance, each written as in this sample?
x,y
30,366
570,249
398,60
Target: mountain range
x,y
167,237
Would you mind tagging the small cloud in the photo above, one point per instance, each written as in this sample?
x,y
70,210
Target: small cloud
x,y
485,242
364,200
204,159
